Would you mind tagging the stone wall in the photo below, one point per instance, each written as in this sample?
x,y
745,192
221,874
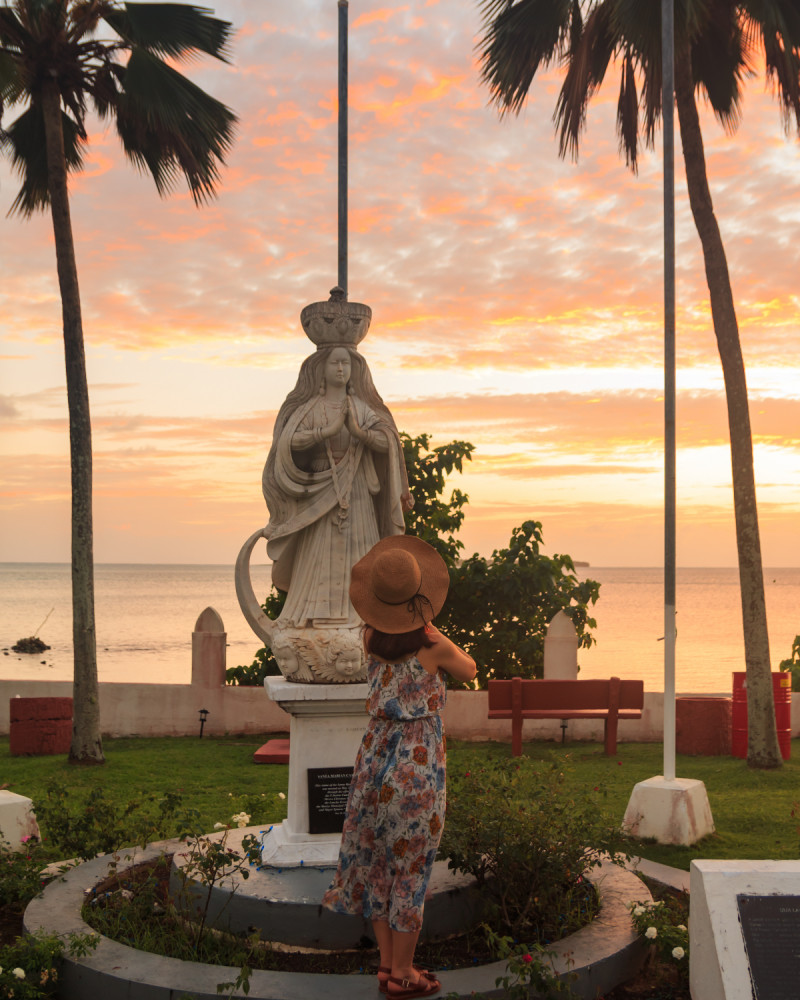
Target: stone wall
x,y
172,710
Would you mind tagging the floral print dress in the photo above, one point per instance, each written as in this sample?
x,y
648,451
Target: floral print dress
x,y
396,803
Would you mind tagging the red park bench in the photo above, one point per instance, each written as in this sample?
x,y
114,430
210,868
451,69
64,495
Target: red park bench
x,y
612,700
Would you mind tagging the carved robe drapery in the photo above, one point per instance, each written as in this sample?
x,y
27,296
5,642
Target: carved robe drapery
x,y
326,514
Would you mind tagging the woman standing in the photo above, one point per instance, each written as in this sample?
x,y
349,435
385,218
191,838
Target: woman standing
x,y
396,805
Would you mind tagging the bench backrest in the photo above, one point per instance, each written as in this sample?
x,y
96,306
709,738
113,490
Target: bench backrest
x,y
555,694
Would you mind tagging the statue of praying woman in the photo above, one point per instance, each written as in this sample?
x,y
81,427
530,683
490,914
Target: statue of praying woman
x,y
335,483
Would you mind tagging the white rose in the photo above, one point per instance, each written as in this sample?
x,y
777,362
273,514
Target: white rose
x,y
281,795
638,911
220,826
682,927
678,953
651,933
19,973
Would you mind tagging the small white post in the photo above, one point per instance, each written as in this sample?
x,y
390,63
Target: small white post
x,y
209,650
561,649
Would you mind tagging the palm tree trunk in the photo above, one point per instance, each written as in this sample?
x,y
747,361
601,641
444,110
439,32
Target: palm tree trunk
x,y
762,744
86,747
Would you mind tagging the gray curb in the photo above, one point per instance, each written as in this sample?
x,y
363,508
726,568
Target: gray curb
x,y
602,954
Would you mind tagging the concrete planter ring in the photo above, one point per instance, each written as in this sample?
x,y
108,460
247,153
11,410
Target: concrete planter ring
x,y
601,955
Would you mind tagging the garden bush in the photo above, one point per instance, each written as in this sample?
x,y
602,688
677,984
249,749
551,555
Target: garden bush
x,y
529,839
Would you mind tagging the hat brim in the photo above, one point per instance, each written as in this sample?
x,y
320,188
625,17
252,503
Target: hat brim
x,y
391,618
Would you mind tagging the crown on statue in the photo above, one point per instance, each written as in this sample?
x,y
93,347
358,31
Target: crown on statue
x,y
336,321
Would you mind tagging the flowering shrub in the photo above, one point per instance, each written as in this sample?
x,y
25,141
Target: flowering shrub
x,y
20,873
528,839
30,966
529,970
84,828
661,924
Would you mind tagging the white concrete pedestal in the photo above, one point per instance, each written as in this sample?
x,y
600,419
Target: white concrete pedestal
x,y
328,721
674,811
17,819
720,968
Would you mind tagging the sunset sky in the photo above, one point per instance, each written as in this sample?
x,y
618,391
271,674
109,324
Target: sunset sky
x,y
517,304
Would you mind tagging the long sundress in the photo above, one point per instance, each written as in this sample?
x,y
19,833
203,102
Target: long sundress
x,y
396,803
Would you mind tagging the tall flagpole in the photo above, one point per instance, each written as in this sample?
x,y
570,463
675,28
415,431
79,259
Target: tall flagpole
x,y
668,107
669,809
342,282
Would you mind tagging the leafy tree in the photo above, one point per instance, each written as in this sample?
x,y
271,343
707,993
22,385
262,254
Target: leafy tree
x,y
792,665
498,609
54,63
432,518
716,44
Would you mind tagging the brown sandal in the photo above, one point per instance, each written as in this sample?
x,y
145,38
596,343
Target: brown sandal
x,y
425,986
386,971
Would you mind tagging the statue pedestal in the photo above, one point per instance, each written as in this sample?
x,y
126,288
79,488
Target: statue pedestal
x,y
328,721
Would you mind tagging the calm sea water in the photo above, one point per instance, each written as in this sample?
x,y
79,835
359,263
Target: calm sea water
x,y
146,614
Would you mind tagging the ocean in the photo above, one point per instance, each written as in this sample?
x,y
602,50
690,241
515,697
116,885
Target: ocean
x,y
145,615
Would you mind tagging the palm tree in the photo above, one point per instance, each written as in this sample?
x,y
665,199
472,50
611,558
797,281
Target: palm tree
x,y
715,45
56,64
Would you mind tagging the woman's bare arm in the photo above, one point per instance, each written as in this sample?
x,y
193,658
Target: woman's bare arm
x,y
445,655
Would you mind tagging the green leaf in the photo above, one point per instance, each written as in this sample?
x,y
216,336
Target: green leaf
x,y
170,126
170,29
25,139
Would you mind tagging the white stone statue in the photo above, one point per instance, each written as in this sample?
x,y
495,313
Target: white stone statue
x,y
335,483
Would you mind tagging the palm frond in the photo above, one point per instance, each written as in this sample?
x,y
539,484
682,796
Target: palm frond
x,y
651,98
719,61
637,27
170,126
628,113
588,58
518,38
12,88
26,141
105,87
776,25
12,32
170,29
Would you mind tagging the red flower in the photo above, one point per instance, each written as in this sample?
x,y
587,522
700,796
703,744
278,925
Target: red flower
x,y
420,755
400,847
527,959
418,867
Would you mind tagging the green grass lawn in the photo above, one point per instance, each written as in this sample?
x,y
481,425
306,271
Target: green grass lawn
x,y
752,809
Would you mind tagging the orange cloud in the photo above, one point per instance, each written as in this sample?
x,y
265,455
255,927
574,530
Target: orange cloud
x,y
382,16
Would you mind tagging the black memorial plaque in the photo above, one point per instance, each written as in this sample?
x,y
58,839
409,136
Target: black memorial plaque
x,y
771,930
327,798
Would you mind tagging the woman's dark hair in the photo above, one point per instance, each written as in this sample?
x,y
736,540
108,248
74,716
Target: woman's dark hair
x,y
395,647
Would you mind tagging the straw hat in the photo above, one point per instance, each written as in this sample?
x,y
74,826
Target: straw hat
x,y
400,584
